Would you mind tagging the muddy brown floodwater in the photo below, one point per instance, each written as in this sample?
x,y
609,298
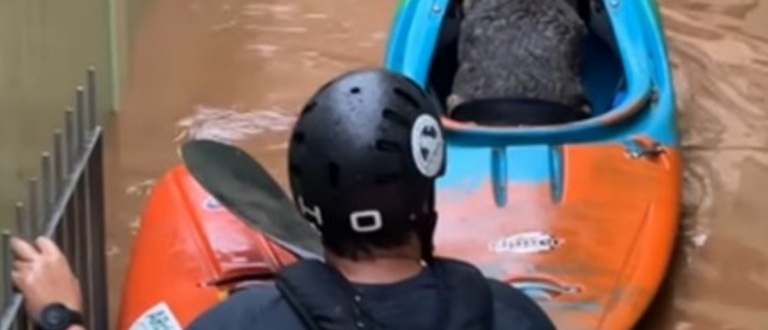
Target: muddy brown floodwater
x,y
239,70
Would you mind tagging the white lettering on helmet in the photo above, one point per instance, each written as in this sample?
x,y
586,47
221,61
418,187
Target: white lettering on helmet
x,y
366,221
314,212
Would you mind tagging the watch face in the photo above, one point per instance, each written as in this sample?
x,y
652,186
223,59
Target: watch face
x,y
55,317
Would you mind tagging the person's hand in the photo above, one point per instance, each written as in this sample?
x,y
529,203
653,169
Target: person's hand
x,y
43,276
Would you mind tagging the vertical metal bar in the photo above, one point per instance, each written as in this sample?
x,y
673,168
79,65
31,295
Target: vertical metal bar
x,y
48,186
34,208
7,260
59,163
86,202
58,237
80,220
65,234
70,223
81,242
21,222
23,231
80,114
97,217
22,321
71,140
87,247
75,223
18,325
98,238
39,220
90,85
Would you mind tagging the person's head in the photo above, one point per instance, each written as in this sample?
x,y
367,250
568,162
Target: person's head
x,y
363,159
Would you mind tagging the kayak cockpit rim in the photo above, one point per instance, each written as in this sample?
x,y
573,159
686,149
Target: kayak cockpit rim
x,y
625,30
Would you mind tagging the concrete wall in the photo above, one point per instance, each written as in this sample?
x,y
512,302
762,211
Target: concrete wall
x,y
45,49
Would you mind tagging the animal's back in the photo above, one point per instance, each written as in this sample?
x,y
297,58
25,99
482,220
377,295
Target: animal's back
x,y
521,48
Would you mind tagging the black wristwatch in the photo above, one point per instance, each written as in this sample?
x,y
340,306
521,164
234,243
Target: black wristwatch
x,y
58,317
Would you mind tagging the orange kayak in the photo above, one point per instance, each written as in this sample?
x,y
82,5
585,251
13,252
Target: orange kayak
x,y
188,254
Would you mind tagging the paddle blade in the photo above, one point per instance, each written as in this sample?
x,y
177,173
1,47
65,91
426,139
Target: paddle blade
x,y
241,184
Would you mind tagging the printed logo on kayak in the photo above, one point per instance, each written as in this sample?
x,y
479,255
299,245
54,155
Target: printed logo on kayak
x,y
159,317
526,243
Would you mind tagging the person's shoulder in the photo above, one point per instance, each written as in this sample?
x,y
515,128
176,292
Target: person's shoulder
x,y
515,310
242,309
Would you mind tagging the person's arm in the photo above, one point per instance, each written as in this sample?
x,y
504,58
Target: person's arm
x,y
42,274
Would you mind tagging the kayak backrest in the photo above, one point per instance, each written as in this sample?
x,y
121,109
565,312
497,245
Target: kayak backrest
x,y
510,112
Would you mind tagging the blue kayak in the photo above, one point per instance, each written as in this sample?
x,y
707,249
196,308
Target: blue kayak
x,y
579,213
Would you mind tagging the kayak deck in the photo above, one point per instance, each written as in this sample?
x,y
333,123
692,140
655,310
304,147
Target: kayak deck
x,y
189,253
592,249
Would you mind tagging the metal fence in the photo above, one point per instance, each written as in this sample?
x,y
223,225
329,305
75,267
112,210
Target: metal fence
x,y
66,202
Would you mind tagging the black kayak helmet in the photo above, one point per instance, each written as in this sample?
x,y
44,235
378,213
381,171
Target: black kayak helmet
x,y
363,159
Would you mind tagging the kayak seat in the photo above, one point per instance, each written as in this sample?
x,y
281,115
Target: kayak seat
x,y
602,73
515,112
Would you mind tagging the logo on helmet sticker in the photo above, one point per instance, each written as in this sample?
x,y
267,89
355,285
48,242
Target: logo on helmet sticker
x,y
427,145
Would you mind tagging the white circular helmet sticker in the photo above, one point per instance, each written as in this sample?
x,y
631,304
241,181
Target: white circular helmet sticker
x,y
427,145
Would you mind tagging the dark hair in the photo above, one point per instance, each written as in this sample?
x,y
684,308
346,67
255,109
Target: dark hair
x,y
360,246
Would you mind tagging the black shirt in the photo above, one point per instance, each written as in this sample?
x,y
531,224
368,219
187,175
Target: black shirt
x,y
408,305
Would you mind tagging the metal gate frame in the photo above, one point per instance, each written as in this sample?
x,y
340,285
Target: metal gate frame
x,y
67,204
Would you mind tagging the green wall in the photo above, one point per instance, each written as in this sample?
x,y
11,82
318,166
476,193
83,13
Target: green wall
x,y
45,49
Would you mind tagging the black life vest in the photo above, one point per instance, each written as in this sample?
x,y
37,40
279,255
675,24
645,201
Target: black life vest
x,y
325,300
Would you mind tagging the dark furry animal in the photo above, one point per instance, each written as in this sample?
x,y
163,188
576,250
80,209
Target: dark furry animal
x,y
520,49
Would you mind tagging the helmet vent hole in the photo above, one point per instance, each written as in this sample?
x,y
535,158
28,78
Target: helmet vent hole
x,y
407,97
387,178
388,146
393,116
333,175
298,137
309,107
355,90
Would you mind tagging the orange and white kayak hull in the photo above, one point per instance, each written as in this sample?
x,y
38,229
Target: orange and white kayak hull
x,y
189,252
